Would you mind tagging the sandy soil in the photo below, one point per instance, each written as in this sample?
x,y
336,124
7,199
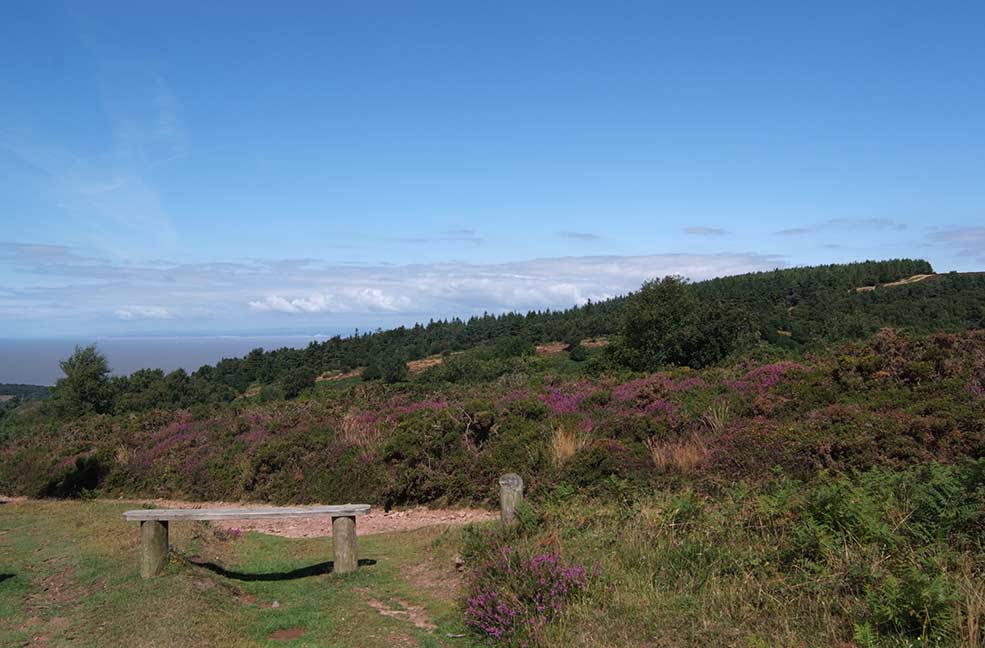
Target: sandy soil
x,y
338,375
901,282
552,348
417,366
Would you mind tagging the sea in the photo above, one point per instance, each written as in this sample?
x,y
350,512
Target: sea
x,y
35,361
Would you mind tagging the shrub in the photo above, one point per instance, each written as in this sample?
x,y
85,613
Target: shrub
x,y
578,353
514,596
593,466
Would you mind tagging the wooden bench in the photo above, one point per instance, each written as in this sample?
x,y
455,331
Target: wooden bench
x,y
154,530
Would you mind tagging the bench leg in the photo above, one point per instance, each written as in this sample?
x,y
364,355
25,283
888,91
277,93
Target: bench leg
x,y
153,547
344,541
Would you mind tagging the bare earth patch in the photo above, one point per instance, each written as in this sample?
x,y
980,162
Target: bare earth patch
x,y
288,634
374,522
901,282
595,343
413,613
552,348
417,366
338,375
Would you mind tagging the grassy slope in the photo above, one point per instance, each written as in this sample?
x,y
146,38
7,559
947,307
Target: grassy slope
x,y
68,574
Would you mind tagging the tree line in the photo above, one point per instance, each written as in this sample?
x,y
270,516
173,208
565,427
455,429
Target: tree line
x,y
666,322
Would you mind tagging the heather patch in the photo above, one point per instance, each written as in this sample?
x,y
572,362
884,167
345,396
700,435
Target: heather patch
x,y
514,596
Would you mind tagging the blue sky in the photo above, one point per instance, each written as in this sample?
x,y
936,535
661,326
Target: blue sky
x,y
179,167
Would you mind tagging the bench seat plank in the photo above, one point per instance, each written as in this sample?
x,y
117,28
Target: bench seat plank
x,y
245,513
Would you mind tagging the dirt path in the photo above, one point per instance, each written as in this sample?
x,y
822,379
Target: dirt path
x,y
376,521
901,282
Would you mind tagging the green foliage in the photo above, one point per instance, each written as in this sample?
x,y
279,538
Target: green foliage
x,y
81,479
297,380
85,389
270,393
666,324
578,353
427,459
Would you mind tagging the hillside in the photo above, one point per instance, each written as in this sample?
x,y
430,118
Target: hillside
x,y
24,392
796,309
693,478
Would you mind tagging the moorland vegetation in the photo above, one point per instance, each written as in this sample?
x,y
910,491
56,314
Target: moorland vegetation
x,y
771,459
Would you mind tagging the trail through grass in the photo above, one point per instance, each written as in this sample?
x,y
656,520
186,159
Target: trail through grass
x,y
69,576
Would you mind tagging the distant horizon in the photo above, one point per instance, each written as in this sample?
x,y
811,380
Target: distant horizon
x,y
34,361
316,331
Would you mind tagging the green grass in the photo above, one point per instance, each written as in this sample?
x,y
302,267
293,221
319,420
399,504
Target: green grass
x,y
69,574
875,560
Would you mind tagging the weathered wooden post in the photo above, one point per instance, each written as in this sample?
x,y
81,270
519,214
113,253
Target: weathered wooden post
x,y
344,542
154,547
510,494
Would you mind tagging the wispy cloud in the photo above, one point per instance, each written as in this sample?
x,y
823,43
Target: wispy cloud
x,y
844,224
579,236
107,190
698,230
794,231
454,235
966,241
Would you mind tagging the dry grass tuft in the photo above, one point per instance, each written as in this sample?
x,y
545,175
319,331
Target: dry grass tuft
x,y
682,454
716,419
971,609
565,443
125,455
356,431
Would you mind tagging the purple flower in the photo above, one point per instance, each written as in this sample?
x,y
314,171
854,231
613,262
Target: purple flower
x,y
762,378
568,400
514,597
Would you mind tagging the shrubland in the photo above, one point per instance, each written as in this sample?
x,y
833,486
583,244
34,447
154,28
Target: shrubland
x,y
752,461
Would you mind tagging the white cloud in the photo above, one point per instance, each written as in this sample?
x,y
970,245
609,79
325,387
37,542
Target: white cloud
x,y
458,287
350,300
59,284
143,312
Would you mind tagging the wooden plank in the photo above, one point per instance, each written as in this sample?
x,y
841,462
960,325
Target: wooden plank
x,y
245,513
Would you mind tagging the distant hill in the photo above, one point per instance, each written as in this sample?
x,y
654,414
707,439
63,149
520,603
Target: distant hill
x,y
792,307
23,392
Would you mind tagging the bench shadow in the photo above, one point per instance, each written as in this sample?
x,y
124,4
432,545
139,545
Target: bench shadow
x,y
301,572
4,577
